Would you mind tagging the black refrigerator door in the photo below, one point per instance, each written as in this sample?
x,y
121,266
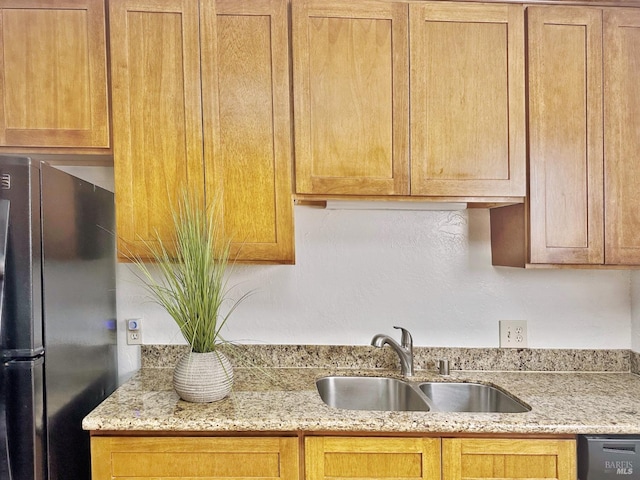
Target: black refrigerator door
x,y
5,467
24,419
21,334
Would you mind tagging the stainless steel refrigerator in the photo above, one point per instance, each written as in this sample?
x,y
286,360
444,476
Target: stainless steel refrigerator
x,y
58,324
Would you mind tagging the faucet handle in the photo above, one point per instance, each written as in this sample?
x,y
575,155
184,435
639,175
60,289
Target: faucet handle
x,y
406,340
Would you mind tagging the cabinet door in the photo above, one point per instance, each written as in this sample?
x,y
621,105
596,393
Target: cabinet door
x,y
565,135
350,74
622,135
467,99
508,459
157,115
247,125
53,82
366,458
190,458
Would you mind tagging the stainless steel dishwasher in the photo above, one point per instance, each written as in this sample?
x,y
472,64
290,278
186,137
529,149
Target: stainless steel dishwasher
x,y
609,457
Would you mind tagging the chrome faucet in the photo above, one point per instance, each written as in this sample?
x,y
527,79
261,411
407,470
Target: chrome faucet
x,y
404,349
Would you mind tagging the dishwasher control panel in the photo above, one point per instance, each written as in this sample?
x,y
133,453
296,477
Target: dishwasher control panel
x,y
609,457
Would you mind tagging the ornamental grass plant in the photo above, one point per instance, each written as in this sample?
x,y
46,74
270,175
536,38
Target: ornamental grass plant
x,y
190,277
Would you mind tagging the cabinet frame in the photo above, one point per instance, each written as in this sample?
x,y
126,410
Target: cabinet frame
x,y
396,162
168,135
94,133
188,457
581,210
556,152
433,163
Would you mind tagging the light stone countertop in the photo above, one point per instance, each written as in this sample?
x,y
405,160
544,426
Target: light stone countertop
x,y
286,400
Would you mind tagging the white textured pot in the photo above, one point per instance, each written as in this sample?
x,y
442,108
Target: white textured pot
x,y
203,377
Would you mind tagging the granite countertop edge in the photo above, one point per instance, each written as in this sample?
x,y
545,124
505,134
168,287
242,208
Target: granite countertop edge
x,y
285,400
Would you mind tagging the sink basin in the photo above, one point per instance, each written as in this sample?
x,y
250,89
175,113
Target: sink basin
x,y
470,397
370,393
391,394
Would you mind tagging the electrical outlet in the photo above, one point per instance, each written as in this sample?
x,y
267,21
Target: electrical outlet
x,y
134,331
513,333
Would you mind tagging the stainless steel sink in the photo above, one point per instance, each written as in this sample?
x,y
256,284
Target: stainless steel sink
x,y
470,397
391,394
370,393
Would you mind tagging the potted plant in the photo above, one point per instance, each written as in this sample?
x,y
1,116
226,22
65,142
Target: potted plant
x,y
189,281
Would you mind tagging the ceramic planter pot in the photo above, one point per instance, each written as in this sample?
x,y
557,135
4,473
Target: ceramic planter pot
x,y
203,377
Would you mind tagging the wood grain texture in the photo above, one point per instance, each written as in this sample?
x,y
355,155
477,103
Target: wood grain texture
x,y
247,123
351,97
622,136
184,457
467,99
53,84
362,457
508,459
509,229
157,123
565,135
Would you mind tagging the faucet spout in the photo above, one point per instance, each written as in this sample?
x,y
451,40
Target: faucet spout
x,y
404,349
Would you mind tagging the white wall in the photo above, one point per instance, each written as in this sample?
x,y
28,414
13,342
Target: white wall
x,y
358,273
635,311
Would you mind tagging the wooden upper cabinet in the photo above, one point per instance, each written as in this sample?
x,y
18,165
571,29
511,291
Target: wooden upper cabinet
x,y
366,458
508,459
350,74
53,82
247,124
201,101
622,135
584,135
466,116
157,116
566,135
467,99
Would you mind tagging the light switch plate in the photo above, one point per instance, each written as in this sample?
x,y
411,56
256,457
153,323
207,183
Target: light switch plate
x,y
134,331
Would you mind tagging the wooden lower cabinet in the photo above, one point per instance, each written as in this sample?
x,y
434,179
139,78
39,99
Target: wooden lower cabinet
x,y
436,458
210,458
366,457
331,457
508,459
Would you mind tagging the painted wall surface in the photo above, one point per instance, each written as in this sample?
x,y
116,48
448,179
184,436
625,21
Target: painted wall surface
x,y
635,311
358,273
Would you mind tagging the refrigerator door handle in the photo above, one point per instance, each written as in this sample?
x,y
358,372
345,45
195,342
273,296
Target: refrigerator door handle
x,y
4,234
5,465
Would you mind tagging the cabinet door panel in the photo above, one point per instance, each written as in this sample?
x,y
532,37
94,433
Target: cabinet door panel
x,y
622,135
508,459
565,135
351,97
53,85
157,114
366,458
467,99
247,123
184,457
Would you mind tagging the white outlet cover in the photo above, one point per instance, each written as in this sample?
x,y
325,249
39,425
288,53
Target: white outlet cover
x,y
513,334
